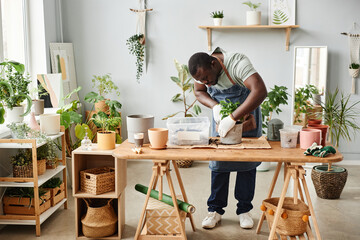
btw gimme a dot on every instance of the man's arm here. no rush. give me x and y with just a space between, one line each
202 96
257 95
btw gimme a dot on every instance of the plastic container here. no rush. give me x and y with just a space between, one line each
188 130
288 137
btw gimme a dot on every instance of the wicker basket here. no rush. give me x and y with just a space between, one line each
27 171
98 180
328 185
184 163
291 222
98 221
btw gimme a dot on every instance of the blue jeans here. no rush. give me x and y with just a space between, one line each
244 191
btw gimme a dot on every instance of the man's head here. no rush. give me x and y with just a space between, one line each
203 68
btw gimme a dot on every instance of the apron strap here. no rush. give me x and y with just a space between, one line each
225 70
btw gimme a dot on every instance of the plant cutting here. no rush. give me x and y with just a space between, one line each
14 90
253 17
302 105
185 83
106 137
234 136
217 17
136 46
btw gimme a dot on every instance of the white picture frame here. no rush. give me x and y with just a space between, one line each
282 12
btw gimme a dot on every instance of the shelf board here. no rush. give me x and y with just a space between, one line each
49 173
45 215
81 194
26 143
287 29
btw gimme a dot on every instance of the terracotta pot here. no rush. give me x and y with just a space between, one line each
101 106
309 136
313 121
234 136
323 128
38 106
106 140
158 137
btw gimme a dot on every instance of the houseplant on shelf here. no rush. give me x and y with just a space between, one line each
184 82
48 152
354 69
340 115
234 136
217 17
37 102
253 17
136 46
22 164
14 90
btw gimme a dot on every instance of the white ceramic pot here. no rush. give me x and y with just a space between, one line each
253 18
50 124
13 115
217 21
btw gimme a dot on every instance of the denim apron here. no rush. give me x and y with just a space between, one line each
235 93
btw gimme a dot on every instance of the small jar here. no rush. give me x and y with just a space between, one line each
86 143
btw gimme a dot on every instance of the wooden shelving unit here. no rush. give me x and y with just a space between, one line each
34 182
287 29
82 160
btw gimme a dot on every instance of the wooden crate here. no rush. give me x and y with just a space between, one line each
24 206
57 194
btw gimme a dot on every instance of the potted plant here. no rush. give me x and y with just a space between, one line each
354 73
48 153
37 102
106 138
340 115
14 90
19 130
253 17
56 187
234 136
23 166
136 46
217 17
104 86
302 105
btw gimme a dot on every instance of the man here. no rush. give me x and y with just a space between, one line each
219 76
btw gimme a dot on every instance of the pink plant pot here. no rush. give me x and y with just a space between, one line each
158 137
323 128
309 136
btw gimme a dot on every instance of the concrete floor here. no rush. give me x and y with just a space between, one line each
338 219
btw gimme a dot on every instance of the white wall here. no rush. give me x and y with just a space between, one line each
99 29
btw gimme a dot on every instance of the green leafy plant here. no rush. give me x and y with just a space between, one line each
22 158
184 82
341 116
104 86
302 101
13 87
26 192
19 130
52 183
105 122
38 91
252 6
228 107
48 152
277 96
354 66
217 14
136 46
280 17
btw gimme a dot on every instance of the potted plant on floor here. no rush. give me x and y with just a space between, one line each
234 136
217 17
14 90
253 17
136 46
340 115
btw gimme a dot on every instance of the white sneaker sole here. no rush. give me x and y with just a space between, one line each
211 227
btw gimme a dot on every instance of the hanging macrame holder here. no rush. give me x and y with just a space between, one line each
354 43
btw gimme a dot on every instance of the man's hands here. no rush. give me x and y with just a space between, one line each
216 113
225 125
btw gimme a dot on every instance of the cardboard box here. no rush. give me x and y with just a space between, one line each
161 218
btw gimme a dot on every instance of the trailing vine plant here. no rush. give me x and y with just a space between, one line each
136 46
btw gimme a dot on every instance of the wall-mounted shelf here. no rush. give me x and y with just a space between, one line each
286 27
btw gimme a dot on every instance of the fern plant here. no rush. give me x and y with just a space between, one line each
136 47
279 17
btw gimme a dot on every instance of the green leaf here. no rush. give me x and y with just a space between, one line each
81 129
176 80
2 114
72 92
176 98
93 97
19 67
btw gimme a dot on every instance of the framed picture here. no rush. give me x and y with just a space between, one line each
62 61
53 85
282 12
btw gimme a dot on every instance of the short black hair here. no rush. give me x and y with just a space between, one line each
200 59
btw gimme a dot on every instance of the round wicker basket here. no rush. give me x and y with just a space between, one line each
184 163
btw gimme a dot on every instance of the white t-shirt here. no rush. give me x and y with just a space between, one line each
238 66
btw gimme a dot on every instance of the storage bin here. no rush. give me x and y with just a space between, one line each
98 180
188 130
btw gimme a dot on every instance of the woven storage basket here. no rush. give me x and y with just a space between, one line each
328 185
98 180
184 163
27 171
293 225
99 221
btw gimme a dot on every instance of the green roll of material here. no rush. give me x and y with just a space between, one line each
186 207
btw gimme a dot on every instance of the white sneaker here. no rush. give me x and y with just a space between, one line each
246 220
211 220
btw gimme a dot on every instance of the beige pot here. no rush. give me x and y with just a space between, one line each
234 136
50 124
101 106
38 106
253 18
106 140
158 137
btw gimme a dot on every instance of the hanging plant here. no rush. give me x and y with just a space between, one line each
136 46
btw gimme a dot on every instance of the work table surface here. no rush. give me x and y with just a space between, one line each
275 154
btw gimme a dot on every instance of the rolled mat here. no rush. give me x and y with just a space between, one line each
186 207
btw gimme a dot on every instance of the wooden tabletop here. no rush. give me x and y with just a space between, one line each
275 154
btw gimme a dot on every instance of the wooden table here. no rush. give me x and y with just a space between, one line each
293 159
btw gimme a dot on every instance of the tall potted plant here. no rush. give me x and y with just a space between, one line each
13 91
340 115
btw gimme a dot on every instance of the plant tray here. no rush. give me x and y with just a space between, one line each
98 180
24 206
